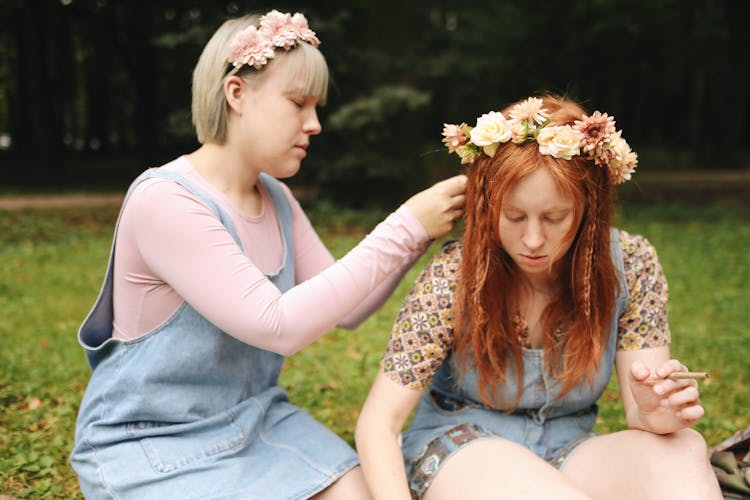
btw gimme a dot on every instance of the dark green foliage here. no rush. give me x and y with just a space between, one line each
108 79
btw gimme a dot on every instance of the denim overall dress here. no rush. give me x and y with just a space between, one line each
452 414
187 411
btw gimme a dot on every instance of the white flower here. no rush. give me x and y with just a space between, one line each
492 129
619 147
623 161
561 141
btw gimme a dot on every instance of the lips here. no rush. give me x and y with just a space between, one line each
534 260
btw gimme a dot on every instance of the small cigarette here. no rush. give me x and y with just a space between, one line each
680 376
688 375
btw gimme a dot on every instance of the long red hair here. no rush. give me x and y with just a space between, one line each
489 283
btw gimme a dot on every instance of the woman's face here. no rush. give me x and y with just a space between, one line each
535 221
276 124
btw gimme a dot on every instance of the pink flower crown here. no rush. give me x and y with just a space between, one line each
594 137
254 46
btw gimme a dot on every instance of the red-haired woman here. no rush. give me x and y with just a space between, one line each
509 337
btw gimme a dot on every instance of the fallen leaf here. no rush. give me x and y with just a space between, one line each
353 353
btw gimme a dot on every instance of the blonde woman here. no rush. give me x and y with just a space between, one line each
216 274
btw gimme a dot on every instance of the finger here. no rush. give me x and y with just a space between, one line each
453 186
686 397
691 413
668 386
639 371
458 201
673 365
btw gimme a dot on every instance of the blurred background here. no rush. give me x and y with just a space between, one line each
94 91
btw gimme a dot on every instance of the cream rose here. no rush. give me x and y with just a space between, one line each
561 142
491 129
619 147
623 161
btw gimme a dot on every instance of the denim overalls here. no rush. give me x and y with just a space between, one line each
451 414
187 411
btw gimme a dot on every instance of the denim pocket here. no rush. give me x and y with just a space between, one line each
446 404
169 447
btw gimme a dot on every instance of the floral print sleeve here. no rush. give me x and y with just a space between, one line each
422 334
644 323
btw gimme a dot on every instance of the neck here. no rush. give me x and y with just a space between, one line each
230 174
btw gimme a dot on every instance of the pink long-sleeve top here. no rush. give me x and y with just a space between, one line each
171 248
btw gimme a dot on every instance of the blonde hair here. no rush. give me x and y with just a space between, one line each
209 107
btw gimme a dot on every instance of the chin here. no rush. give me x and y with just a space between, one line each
284 173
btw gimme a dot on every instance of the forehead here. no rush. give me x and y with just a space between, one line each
536 191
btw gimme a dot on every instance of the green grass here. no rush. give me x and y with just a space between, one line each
51 265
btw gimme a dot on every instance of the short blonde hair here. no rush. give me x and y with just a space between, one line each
209 107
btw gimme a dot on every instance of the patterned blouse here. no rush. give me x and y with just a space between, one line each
422 335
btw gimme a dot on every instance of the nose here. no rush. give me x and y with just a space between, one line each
533 235
312 125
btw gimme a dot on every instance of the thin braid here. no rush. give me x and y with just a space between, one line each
589 257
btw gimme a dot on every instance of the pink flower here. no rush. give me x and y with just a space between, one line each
250 47
467 154
254 46
453 136
277 28
596 130
299 25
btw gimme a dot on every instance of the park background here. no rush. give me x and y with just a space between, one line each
94 91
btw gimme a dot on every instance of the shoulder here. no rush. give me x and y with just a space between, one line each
447 261
441 271
636 251
156 199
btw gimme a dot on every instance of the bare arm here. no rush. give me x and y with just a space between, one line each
662 406
387 407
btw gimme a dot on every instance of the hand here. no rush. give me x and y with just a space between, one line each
665 405
439 206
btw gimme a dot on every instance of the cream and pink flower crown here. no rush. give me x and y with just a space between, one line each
594 137
254 46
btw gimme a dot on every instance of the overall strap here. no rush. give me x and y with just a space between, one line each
284 215
96 329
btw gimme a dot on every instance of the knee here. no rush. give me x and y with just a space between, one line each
686 445
691 441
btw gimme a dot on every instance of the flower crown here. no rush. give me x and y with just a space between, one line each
594 137
254 46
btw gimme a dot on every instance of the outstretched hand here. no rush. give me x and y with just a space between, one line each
439 206
665 405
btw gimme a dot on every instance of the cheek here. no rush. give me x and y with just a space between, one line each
563 240
505 234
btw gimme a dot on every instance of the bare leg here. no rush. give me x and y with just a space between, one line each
350 486
498 469
636 464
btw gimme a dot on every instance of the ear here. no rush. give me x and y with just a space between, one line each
234 90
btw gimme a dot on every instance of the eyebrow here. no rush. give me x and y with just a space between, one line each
555 209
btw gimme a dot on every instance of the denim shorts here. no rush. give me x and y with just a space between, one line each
424 468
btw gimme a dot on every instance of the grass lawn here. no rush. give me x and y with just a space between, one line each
52 262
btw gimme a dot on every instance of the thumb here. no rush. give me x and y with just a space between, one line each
639 371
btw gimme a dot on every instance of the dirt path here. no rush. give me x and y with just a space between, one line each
59 201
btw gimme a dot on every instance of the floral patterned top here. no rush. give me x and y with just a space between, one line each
422 335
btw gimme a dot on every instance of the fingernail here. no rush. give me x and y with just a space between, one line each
659 389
